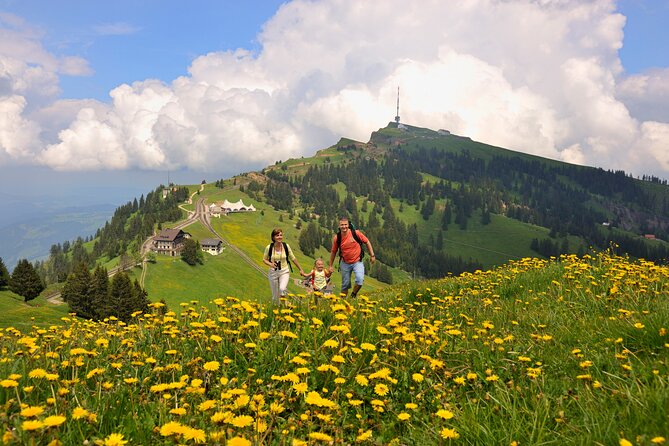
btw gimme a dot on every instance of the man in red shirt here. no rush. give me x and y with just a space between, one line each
350 256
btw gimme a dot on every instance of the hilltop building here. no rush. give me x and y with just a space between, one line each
169 242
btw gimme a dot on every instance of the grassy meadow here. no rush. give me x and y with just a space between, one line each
568 351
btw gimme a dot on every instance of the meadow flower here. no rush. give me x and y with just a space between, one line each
79 413
363 436
238 441
381 389
445 414
7 383
32 425
319 436
37 373
417 377
403 416
54 420
242 421
178 411
449 434
361 380
114 440
32 411
211 366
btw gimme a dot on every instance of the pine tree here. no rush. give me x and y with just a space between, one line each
99 293
4 274
25 281
191 252
77 292
121 297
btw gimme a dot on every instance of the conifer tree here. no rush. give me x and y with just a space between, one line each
4 274
25 281
99 293
77 292
121 297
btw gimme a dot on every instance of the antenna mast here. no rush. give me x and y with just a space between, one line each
397 116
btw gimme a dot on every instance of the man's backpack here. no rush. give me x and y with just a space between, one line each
354 233
285 249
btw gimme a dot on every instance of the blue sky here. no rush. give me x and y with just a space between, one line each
214 88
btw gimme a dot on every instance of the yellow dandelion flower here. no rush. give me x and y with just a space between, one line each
459 380
238 441
319 436
300 387
363 437
449 434
211 366
445 414
624 442
7 383
368 346
32 425
417 377
381 389
114 440
171 428
242 421
361 380
79 413
131 380
411 406
178 411
492 378
37 373
54 420
206 405
403 416
32 411
658 440
331 343
197 435
297 442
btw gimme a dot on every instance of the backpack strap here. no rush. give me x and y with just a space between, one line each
285 249
354 233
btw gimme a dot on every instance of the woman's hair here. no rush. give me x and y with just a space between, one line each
276 231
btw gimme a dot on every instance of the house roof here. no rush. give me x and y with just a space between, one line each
210 242
168 235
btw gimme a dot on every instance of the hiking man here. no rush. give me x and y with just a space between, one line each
348 242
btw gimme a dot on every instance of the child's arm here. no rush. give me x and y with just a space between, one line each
307 274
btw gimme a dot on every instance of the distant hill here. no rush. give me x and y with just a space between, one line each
432 203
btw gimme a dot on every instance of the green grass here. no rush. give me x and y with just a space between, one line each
23 315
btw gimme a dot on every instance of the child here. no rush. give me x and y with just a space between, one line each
319 277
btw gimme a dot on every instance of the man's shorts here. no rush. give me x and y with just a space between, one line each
346 268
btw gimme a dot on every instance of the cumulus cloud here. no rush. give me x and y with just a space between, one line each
542 77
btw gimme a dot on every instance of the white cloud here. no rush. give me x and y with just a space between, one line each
542 77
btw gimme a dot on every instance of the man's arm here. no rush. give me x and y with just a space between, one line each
370 250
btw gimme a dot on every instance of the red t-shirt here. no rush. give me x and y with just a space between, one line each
350 249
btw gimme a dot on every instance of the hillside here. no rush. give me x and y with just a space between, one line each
538 352
433 204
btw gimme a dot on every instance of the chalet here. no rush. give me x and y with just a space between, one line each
238 206
169 242
213 246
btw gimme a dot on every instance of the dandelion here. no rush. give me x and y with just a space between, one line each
403 416
624 442
79 413
54 420
7 383
238 441
445 414
417 377
211 366
32 411
658 440
242 421
32 425
178 411
363 437
381 389
449 434
37 373
114 440
318 436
